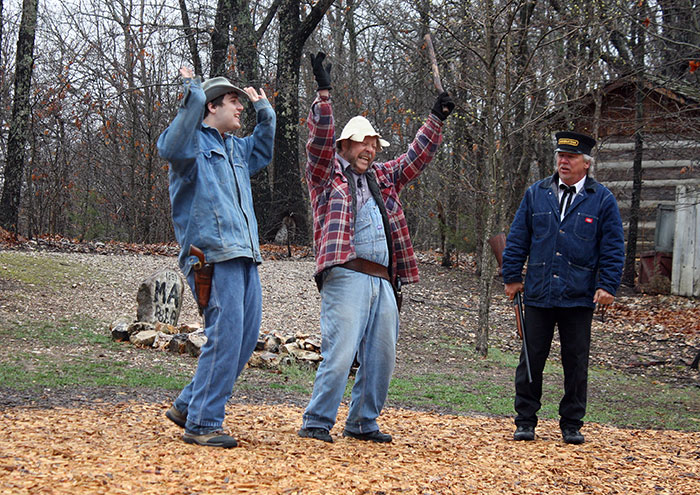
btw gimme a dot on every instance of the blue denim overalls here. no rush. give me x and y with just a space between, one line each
358 317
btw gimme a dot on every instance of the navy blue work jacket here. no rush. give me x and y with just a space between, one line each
567 260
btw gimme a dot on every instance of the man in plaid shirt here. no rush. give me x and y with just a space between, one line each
363 253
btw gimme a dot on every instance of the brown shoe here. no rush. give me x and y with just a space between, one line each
217 438
176 416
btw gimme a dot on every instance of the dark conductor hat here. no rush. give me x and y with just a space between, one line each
217 86
573 142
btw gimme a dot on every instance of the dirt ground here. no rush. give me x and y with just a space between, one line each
106 440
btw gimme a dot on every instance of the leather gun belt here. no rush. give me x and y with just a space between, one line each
368 267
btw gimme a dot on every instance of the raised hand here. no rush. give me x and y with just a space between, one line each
186 72
443 106
321 73
254 95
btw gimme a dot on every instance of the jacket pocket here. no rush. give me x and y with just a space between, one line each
536 281
339 195
585 226
219 168
541 224
580 283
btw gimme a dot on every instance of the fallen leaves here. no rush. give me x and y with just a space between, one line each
668 315
132 448
47 242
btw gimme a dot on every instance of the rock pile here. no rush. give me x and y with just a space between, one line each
159 300
183 339
272 351
275 350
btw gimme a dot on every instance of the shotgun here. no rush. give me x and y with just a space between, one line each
520 323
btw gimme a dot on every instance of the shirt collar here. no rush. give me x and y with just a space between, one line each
345 164
578 185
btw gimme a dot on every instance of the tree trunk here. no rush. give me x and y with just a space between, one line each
629 272
287 184
245 41
220 39
19 125
490 177
191 38
2 24
519 136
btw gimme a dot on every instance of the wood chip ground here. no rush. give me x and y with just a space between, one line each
130 448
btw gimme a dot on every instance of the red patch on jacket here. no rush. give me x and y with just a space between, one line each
589 220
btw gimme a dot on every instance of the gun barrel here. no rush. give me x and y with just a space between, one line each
520 321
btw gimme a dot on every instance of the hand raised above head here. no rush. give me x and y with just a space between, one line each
186 72
443 106
254 95
322 73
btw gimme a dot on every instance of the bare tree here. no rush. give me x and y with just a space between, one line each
21 112
638 53
680 31
288 188
191 35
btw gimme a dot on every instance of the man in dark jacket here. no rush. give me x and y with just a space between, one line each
569 229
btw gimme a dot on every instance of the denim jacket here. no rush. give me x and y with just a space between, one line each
212 203
568 260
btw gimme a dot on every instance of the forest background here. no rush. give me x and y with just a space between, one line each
87 86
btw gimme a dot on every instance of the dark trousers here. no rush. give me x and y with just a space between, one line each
575 336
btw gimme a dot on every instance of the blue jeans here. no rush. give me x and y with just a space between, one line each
359 318
232 321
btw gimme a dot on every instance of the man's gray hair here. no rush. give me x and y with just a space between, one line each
587 158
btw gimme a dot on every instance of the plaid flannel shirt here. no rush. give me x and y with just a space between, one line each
331 197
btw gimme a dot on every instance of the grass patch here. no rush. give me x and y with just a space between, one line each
61 332
640 402
454 393
289 387
43 271
73 353
621 400
495 359
47 371
291 378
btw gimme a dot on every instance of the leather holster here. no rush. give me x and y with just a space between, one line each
203 274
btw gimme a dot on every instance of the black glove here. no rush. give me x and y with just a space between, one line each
443 106
321 73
